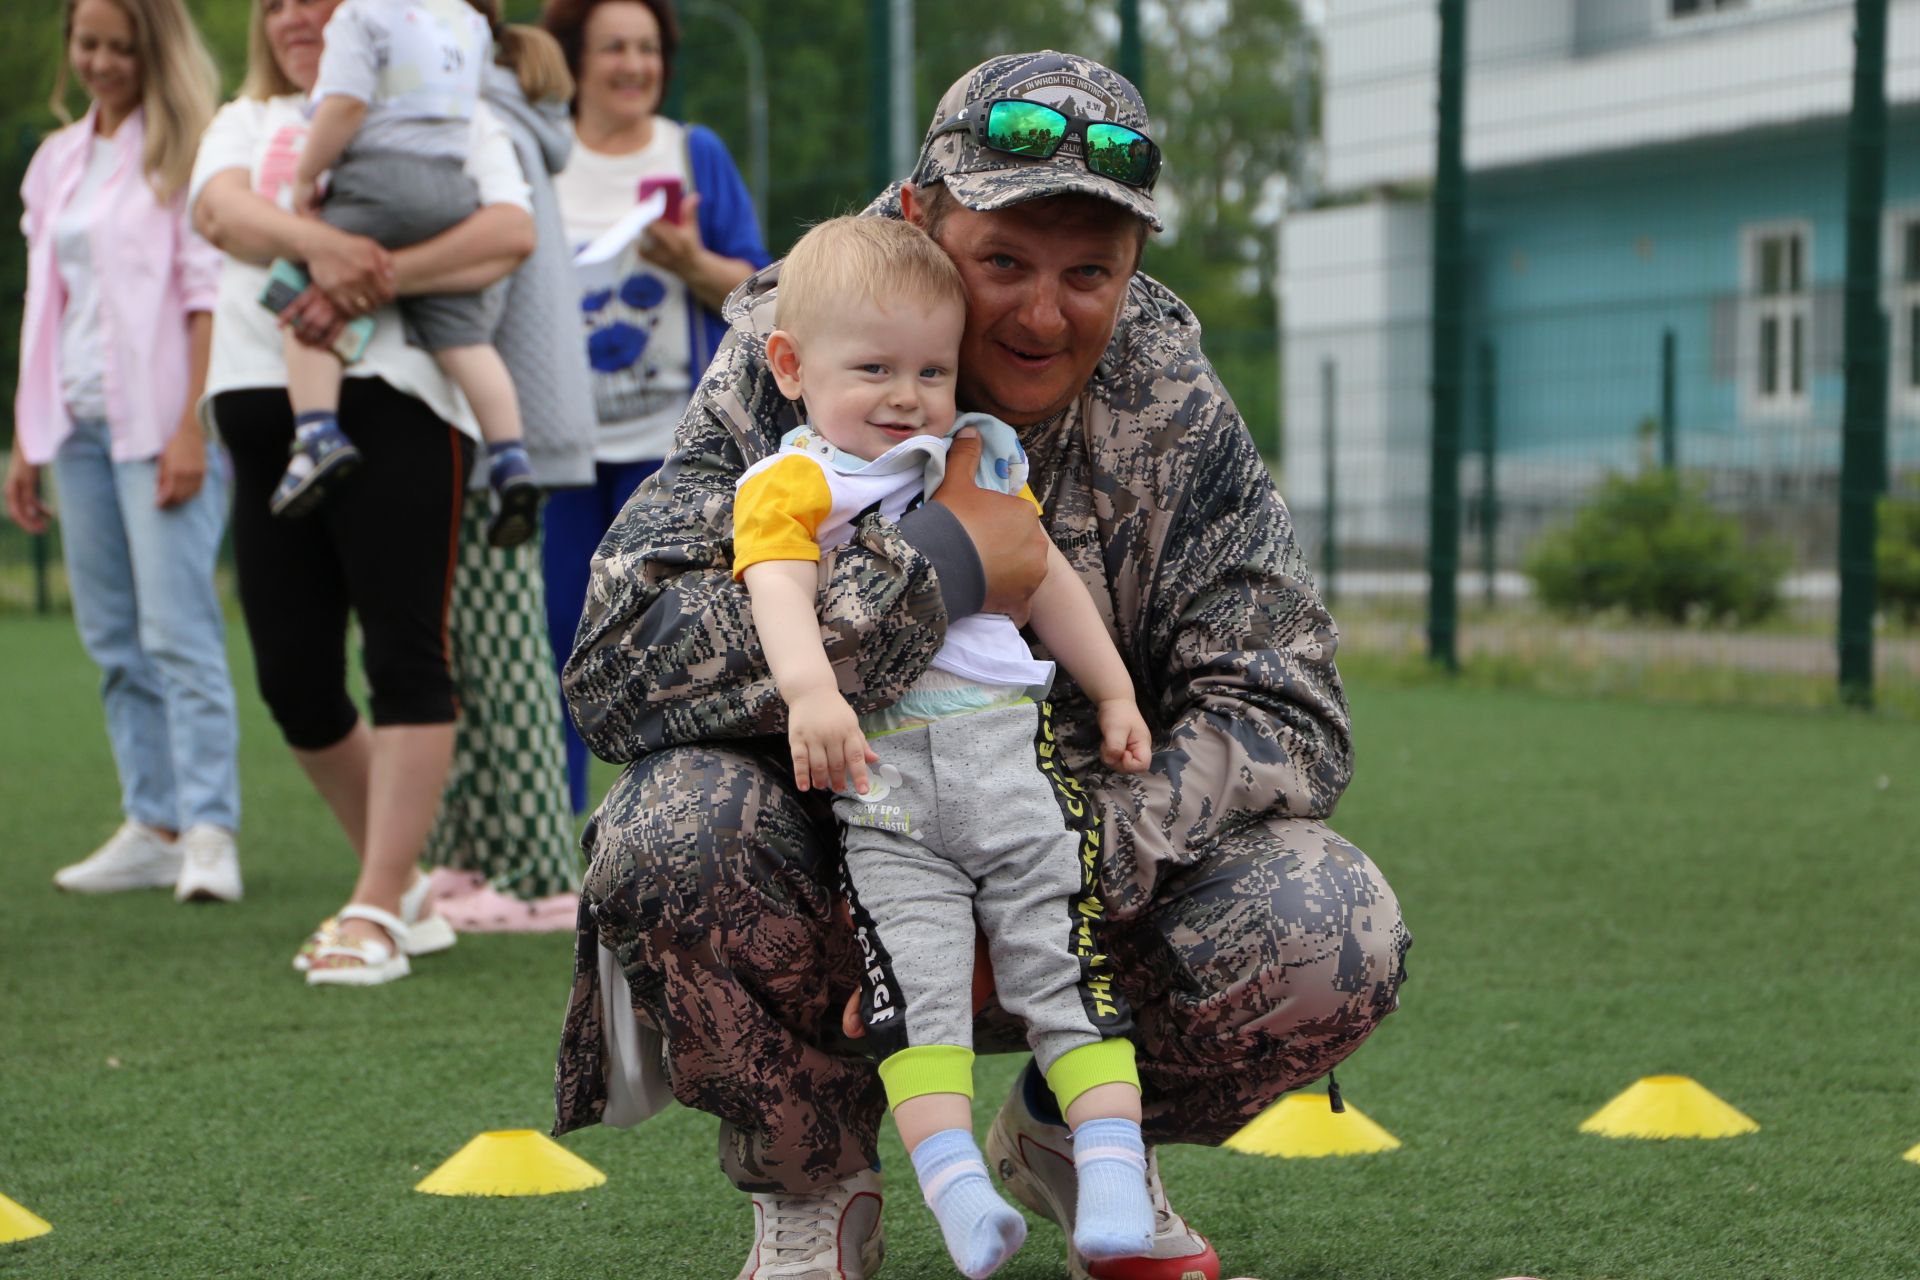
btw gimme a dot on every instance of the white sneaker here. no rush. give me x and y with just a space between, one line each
134 857
1035 1162
830 1234
209 865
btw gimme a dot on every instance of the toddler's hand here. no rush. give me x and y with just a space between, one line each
306 198
829 751
1125 743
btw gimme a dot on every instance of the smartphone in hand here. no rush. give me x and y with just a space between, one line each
285 282
675 191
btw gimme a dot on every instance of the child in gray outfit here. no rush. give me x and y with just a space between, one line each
970 810
393 112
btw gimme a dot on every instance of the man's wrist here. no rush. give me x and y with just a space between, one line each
937 534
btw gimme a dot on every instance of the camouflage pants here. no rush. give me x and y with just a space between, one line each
1251 971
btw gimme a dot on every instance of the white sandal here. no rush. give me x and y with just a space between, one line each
424 937
379 962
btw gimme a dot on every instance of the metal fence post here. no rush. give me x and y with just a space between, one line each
1329 547
1449 338
1863 434
1132 64
879 94
1489 451
1669 401
750 49
42 596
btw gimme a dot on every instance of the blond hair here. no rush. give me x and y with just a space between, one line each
179 87
264 79
536 58
850 261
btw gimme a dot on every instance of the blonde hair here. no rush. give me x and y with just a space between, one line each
264 79
845 262
531 53
179 87
536 58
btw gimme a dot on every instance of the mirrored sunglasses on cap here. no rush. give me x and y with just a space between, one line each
1036 131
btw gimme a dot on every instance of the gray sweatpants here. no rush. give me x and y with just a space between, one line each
985 821
400 200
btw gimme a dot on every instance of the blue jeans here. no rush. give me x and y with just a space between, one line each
144 600
575 521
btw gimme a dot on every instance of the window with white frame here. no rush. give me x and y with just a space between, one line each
1778 316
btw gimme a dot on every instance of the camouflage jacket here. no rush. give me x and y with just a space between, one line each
1152 489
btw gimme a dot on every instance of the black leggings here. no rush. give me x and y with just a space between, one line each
382 545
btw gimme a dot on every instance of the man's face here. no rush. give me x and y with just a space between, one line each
1044 290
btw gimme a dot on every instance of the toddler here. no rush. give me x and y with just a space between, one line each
969 810
392 114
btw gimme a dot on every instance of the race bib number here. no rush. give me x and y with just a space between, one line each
434 62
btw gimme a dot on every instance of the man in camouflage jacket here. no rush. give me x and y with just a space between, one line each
1257 947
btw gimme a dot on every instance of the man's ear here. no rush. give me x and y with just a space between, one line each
783 357
912 208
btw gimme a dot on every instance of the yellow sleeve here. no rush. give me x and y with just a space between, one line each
777 514
1026 491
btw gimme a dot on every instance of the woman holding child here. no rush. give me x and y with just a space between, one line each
113 352
650 336
380 547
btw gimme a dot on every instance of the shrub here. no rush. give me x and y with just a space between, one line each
1898 554
1650 545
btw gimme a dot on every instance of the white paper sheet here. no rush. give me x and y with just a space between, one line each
594 265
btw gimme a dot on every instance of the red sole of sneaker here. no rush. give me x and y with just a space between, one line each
1204 1265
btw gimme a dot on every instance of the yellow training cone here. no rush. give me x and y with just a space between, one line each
17 1223
511 1162
1668 1107
1913 1154
1306 1125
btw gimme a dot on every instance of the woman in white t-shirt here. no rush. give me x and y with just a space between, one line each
113 349
381 548
651 333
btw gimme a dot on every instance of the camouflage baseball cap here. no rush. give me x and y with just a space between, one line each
985 180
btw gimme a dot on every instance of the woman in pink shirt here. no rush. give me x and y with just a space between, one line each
113 354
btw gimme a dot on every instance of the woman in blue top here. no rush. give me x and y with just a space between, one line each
650 333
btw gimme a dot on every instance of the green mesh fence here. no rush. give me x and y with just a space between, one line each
1653 380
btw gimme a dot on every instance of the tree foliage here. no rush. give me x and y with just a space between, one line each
1899 557
1650 546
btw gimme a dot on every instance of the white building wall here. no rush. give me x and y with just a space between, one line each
1533 95
1355 291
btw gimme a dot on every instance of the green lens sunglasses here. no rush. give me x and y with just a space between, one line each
1035 130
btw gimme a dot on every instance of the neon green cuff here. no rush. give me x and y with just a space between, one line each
927 1068
1078 1070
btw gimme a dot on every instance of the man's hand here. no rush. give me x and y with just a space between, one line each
183 464
855 1026
24 507
1005 531
1125 743
828 747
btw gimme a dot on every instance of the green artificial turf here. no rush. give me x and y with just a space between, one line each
1598 891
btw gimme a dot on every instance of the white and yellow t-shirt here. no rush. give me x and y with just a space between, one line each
809 496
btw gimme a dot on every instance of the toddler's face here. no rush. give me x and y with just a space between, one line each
876 375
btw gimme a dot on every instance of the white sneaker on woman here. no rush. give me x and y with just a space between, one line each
209 865
134 857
